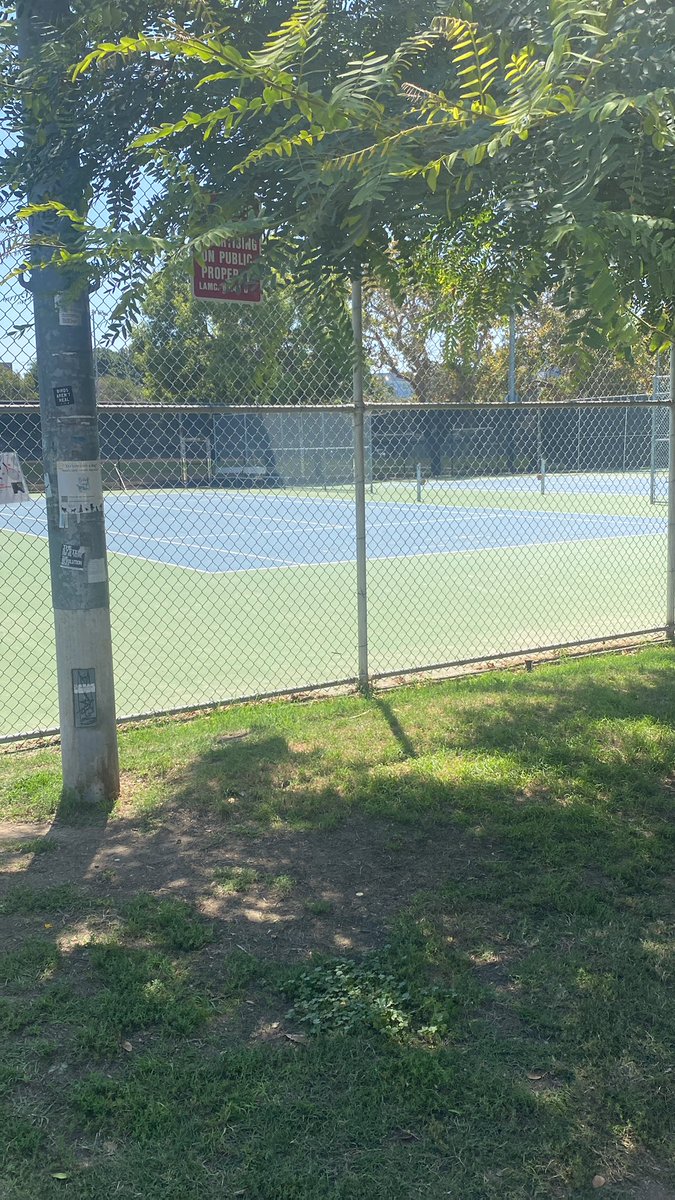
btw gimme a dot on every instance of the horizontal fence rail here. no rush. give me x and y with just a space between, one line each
492 530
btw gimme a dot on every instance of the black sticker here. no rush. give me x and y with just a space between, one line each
63 397
72 557
84 697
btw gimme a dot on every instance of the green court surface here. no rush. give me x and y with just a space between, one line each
183 637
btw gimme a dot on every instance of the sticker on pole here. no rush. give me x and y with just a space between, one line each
70 313
84 697
215 277
13 486
63 397
80 487
72 557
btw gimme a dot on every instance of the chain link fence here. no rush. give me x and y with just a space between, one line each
227 440
514 483
492 530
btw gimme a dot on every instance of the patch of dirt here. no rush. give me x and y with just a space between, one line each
654 1191
645 1183
365 872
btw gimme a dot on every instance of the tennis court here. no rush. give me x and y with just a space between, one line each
223 593
244 531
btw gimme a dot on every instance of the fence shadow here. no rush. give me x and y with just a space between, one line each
405 742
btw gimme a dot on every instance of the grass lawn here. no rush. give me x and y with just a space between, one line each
410 946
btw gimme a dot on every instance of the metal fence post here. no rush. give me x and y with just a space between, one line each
670 606
71 457
512 357
360 486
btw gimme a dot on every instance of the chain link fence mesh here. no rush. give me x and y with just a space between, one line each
228 460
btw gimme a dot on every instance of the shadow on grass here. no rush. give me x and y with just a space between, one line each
404 741
494 995
95 852
567 769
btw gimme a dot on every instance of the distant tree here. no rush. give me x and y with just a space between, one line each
111 389
434 328
277 352
17 389
117 379
117 363
550 367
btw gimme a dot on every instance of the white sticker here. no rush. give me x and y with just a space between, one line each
69 313
80 486
97 571
13 486
73 557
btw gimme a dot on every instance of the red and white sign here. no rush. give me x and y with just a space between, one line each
215 277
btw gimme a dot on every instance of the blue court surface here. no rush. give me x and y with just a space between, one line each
221 531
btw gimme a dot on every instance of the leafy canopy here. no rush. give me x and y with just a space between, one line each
552 127
557 122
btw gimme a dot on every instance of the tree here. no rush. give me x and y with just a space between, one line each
157 201
568 128
433 328
15 388
554 127
186 351
551 367
557 124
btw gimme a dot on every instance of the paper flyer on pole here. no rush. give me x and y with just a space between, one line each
79 486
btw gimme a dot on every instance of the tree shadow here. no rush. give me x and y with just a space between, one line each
597 787
90 850
499 882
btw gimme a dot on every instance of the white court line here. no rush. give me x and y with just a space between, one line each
341 562
158 562
144 537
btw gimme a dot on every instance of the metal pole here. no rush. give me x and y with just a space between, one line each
418 478
625 438
656 387
670 602
182 450
652 459
360 486
369 446
512 356
72 464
